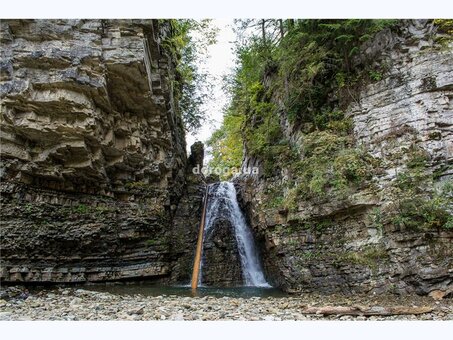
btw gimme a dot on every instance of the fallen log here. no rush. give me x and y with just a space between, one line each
366 311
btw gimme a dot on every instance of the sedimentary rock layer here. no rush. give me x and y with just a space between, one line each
93 151
87 105
337 245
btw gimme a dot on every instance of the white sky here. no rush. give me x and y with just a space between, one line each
221 61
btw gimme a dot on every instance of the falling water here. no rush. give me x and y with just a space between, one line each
223 203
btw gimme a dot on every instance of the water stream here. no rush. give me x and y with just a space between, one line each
153 289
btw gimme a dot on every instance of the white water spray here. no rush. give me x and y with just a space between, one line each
223 203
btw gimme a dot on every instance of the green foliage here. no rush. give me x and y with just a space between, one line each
137 185
422 214
444 25
449 224
226 145
315 60
408 181
265 130
370 256
28 208
445 28
188 45
418 158
82 209
294 68
330 166
377 219
275 197
375 75
152 242
248 97
322 225
311 255
415 209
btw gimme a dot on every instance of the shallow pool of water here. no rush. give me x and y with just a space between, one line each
157 290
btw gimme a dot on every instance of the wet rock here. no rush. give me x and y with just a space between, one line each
222 263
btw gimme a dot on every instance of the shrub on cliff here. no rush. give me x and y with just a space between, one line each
296 71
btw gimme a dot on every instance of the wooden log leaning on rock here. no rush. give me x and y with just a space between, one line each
366 311
197 260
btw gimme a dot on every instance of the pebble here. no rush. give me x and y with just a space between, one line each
81 304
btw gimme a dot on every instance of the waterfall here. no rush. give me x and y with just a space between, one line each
223 203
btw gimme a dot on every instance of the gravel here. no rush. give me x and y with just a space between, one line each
16 303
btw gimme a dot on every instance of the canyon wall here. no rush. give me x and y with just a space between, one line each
96 184
348 243
93 159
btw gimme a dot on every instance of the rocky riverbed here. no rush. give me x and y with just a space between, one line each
17 303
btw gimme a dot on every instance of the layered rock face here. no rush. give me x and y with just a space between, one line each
93 151
186 222
87 107
221 260
412 105
345 244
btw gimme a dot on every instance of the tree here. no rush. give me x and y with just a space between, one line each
226 144
189 42
291 69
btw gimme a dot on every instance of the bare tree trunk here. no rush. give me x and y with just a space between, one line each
282 31
368 311
263 30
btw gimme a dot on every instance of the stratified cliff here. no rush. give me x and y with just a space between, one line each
93 156
365 211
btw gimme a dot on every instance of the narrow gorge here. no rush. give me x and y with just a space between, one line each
353 147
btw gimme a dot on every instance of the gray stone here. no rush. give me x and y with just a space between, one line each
93 151
342 251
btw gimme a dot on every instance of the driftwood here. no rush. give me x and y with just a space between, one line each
367 311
